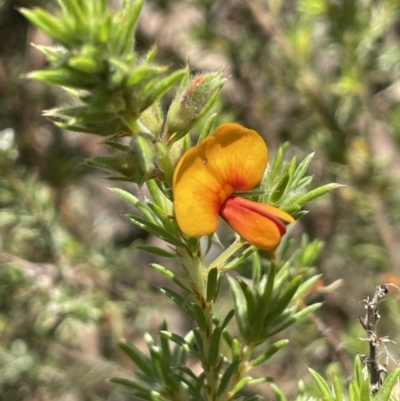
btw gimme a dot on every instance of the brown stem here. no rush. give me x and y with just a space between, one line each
369 323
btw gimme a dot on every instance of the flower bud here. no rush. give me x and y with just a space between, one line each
152 119
140 157
191 103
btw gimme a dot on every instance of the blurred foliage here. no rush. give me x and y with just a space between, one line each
321 74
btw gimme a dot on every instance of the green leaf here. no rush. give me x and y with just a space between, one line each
317 192
169 275
142 362
256 268
50 25
250 300
178 300
227 319
276 165
67 77
133 200
243 382
278 393
207 126
164 85
129 383
305 286
285 299
301 170
155 250
280 188
294 319
236 349
212 284
198 342
269 352
180 341
387 386
337 387
229 372
154 229
199 317
322 385
213 351
239 259
240 307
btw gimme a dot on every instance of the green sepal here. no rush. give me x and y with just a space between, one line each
154 229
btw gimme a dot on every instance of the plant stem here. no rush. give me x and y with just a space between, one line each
221 259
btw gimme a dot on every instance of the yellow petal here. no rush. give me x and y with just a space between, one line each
236 156
197 196
257 223
233 158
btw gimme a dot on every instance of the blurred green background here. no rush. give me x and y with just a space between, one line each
321 74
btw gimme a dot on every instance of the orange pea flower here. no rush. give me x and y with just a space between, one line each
232 159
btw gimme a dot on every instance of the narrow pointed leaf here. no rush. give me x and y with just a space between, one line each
322 386
212 282
269 352
178 300
156 251
154 229
230 370
137 357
